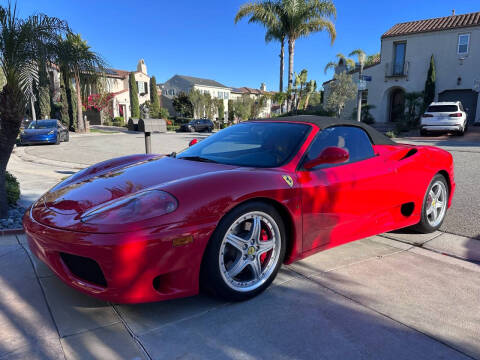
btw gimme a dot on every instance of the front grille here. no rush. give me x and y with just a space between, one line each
84 268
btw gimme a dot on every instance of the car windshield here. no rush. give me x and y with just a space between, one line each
250 144
43 124
442 108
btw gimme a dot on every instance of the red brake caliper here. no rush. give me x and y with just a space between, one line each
263 237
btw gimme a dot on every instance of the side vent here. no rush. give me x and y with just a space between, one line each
407 209
409 153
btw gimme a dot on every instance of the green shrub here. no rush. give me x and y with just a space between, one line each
13 188
118 121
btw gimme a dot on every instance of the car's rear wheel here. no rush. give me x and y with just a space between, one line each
67 137
245 252
434 206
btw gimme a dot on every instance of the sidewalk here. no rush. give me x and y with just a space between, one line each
374 299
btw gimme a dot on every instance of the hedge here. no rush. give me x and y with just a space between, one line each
13 189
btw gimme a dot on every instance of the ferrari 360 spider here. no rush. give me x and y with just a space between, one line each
226 213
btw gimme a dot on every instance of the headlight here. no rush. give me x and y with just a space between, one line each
51 132
132 208
22 133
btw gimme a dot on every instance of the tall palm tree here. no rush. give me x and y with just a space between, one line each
78 61
23 42
301 18
264 13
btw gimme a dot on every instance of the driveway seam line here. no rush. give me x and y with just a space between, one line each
130 332
388 316
44 296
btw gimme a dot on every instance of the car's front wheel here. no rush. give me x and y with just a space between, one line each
245 252
434 206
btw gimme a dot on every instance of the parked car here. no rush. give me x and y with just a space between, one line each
444 117
227 212
50 131
198 125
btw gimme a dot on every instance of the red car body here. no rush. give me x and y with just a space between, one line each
160 258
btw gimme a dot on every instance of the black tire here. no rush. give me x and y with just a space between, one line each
57 142
67 137
424 225
211 279
423 132
191 129
209 130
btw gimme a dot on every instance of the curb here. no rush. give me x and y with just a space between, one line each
11 232
455 246
22 155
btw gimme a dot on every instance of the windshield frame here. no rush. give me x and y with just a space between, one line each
34 122
287 160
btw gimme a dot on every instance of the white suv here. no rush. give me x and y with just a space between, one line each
445 117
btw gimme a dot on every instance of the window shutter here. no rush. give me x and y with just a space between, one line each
138 88
146 88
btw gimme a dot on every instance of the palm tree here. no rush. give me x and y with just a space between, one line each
78 61
301 18
360 54
264 13
349 63
23 42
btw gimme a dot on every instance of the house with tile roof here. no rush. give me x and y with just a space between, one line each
406 49
237 93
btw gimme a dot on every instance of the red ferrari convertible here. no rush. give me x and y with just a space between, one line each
227 212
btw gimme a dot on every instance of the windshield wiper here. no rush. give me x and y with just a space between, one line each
197 158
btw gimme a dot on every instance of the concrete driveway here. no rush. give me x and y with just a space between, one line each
377 298
371 299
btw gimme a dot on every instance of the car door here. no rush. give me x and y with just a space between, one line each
342 202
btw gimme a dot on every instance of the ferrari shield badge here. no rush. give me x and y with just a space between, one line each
288 179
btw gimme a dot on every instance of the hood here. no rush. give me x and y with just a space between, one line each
74 196
37 131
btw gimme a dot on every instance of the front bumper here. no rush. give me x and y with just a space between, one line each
39 139
140 266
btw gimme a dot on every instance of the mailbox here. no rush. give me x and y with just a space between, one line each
152 125
148 126
132 124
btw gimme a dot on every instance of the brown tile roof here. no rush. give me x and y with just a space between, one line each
437 24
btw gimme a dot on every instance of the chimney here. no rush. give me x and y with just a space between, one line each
263 87
453 12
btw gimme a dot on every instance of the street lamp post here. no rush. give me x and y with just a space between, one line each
359 96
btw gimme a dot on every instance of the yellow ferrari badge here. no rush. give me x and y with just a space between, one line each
288 179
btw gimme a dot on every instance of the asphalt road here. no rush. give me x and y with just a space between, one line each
462 218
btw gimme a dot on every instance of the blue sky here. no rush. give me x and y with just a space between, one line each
199 38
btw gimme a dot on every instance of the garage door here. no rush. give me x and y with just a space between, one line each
467 97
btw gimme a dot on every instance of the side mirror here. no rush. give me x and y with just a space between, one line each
193 142
330 155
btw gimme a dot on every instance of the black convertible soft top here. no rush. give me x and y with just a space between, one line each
324 122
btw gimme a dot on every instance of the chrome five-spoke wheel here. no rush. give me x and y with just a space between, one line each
249 251
436 203
245 252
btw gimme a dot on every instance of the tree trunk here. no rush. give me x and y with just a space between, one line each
80 123
282 63
291 53
12 107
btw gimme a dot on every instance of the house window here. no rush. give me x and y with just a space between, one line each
463 42
399 63
225 95
220 95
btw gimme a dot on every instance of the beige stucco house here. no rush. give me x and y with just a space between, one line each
406 49
237 93
184 84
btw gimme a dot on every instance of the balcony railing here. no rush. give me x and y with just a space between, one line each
396 70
